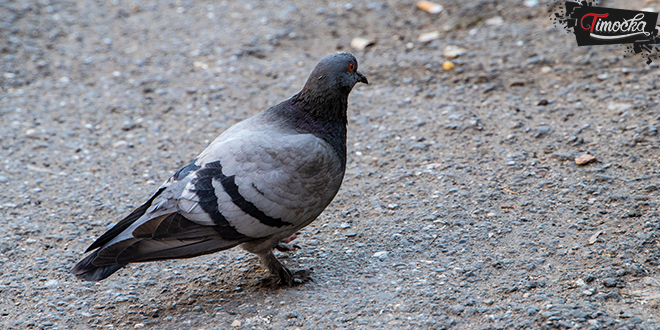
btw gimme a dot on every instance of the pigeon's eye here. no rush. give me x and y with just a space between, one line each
351 67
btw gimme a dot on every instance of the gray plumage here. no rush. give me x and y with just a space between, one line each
257 183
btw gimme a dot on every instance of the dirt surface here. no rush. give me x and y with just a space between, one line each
462 206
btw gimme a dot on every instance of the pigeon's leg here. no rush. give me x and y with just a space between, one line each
275 267
284 245
286 277
264 249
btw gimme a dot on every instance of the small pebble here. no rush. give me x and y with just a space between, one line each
610 282
382 255
495 21
361 43
452 51
428 36
430 7
51 284
584 159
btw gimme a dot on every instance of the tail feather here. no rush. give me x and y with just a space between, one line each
143 250
86 270
166 237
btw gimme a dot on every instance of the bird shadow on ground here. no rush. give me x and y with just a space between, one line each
247 291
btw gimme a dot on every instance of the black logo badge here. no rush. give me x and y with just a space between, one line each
607 26
610 26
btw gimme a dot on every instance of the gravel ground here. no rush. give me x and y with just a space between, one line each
461 208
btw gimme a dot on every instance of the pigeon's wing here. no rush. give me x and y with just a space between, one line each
266 186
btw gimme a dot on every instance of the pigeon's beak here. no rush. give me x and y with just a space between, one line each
362 79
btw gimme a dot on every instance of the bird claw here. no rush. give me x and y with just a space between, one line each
290 279
302 276
283 247
295 278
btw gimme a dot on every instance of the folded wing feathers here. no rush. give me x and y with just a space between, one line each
173 226
154 250
165 237
124 224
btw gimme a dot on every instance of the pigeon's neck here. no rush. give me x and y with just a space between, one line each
325 118
324 107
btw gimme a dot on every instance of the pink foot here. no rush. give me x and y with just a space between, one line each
284 245
291 238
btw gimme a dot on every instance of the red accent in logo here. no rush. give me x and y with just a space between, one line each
593 23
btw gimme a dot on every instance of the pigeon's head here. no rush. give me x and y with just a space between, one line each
335 73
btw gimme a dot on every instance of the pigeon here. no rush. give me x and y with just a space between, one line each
255 185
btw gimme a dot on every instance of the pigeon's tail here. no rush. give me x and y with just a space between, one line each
105 261
85 270
170 236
